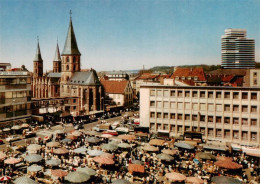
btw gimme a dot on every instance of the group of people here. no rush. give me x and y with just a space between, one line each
184 162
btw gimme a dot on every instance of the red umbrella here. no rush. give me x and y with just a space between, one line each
12 161
135 168
5 178
194 180
221 158
59 173
107 155
104 160
2 155
175 177
228 164
127 137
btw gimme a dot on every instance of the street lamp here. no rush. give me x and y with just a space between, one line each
13 111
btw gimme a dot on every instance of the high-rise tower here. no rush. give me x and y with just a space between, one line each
57 61
38 63
238 52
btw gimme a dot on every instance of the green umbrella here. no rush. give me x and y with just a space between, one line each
34 168
77 177
23 180
87 170
109 147
124 145
80 150
95 152
93 140
164 156
33 158
205 156
53 162
225 180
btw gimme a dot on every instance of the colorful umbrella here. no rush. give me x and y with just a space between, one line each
87 170
164 156
59 173
127 137
72 137
221 158
170 152
76 133
33 158
34 147
227 164
23 180
5 178
104 160
61 151
108 155
109 147
225 180
53 162
95 152
175 177
205 156
34 168
150 148
12 161
157 142
124 145
194 180
183 145
53 144
2 155
106 136
93 140
77 177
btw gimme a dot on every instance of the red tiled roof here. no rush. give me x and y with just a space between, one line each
146 76
114 87
190 72
227 78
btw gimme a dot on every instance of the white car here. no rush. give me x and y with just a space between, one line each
13 138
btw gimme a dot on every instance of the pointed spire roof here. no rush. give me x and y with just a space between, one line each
57 54
71 47
38 56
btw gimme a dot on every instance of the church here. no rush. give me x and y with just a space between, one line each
79 90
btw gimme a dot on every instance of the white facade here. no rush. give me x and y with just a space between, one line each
220 113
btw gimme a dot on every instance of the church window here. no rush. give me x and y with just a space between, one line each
68 60
74 59
67 67
74 68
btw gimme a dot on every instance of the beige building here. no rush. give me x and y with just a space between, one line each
220 113
15 97
252 78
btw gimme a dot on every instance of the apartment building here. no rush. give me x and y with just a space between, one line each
15 97
220 113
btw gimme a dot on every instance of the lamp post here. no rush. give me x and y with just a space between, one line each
13 111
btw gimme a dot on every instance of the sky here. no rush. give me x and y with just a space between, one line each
124 34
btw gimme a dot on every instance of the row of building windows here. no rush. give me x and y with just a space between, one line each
204 94
204 106
203 118
210 131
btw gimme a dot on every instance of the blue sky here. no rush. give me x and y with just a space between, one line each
124 34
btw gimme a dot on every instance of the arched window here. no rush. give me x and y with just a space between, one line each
68 59
67 67
74 59
74 67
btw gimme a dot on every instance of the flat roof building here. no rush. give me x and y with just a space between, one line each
220 113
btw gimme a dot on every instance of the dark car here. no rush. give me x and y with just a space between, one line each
1 141
30 134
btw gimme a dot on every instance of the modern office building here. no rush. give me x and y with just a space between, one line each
15 97
220 113
237 50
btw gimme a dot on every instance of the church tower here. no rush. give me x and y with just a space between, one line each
70 56
57 61
38 63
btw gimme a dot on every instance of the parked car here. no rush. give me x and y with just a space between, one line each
111 132
13 138
1 141
79 126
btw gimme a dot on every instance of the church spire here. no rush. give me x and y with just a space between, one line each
57 54
71 47
38 56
